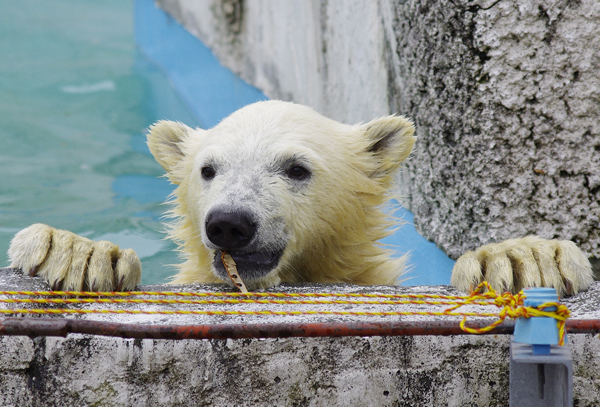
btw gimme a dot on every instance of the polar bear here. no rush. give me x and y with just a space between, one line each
291 196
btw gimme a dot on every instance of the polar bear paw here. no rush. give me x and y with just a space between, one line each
73 263
528 262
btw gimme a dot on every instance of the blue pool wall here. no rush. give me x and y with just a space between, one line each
212 92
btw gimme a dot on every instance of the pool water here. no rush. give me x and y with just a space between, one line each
76 96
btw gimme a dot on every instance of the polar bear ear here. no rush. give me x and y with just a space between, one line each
165 140
391 140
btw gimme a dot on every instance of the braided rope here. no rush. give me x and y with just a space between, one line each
224 294
511 305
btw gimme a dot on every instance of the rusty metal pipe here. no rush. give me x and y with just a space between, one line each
33 327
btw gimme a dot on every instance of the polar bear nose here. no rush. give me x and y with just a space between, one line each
230 230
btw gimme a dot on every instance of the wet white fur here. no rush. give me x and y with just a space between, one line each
329 225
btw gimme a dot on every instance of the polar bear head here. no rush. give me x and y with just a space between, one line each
290 194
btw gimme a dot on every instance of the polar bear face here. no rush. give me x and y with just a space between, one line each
285 191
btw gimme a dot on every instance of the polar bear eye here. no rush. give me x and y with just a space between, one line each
297 172
208 173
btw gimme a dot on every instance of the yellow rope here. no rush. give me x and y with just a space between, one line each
266 312
511 305
223 294
242 301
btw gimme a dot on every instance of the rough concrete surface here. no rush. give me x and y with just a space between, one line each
505 95
465 370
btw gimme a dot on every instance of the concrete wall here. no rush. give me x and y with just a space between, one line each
463 370
505 95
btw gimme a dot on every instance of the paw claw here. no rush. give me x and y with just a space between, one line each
120 284
71 262
56 286
522 263
568 287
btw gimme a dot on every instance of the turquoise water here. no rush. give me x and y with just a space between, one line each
76 96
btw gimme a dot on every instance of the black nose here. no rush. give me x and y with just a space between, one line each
230 230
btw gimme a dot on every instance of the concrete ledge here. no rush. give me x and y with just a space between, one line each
349 371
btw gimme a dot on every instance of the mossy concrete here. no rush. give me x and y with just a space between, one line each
463 370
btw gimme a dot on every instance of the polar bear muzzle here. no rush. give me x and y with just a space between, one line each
233 232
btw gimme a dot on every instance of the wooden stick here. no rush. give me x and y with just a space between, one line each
231 269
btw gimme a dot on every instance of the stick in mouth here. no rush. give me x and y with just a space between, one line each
232 272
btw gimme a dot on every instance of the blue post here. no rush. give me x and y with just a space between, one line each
541 371
541 332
